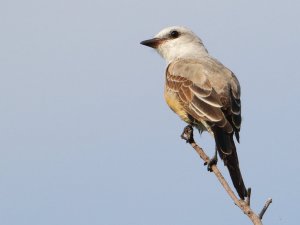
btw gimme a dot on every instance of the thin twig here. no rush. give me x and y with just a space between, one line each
268 202
248 196
243 205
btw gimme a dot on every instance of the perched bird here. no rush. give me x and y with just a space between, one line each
203 92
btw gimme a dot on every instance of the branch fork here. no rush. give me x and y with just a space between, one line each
188 136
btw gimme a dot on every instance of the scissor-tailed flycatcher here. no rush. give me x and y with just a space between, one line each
203 92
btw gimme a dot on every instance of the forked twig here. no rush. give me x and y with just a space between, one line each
248 196
268 202
243 205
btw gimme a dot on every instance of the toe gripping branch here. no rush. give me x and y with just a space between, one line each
188 134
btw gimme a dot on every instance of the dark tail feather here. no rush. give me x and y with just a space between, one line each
227 151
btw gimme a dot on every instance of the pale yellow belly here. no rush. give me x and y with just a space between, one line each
174 103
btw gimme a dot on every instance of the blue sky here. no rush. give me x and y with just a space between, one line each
85 134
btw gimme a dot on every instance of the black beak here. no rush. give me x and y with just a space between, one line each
153 43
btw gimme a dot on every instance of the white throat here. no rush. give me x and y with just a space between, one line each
172 51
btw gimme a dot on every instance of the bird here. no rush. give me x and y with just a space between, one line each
203 93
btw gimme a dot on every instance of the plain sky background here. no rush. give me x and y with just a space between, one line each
85 134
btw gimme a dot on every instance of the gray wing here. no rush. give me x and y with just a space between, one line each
198 96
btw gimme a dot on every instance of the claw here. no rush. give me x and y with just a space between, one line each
187 134
211 162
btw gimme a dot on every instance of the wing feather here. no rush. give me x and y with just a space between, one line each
235 117
200 101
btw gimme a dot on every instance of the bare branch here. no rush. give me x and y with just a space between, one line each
243 205
268 202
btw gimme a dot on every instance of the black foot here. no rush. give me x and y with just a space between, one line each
187 134
211 162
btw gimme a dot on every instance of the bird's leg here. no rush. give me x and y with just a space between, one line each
187 134
212 161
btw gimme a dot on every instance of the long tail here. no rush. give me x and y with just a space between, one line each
227 151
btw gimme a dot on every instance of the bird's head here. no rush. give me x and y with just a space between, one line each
177 42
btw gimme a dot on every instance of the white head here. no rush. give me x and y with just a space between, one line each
177 42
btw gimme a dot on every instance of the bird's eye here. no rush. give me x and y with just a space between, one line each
174 34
